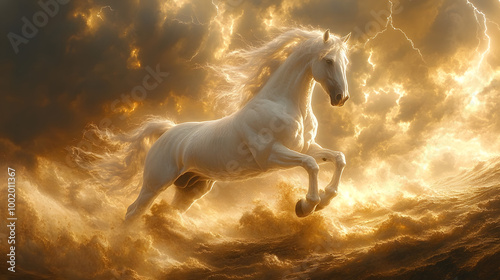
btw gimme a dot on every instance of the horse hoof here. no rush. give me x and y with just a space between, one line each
334 194
319 207
298 209
325 199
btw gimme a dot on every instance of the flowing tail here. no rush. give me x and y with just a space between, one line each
117 159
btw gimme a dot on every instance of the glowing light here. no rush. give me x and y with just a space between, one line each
478 74
128 109
102 8
367 95
91 17
390 24
226 28
474 103
182 103
357 131
370 59
404 126
486 35
399 90
178 107
348 197
494 23
87 17
269 20
133 61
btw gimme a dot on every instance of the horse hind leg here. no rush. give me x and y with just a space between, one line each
141 204
148 194
185 196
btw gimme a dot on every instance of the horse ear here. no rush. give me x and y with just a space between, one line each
326 36
346 37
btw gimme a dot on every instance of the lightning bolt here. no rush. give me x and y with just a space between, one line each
477 14
496 24
370 59
223 25
478 76
214 20
194 19
102 8
390 24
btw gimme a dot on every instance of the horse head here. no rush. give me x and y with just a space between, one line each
329 69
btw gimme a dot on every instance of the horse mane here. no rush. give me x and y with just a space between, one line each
246 71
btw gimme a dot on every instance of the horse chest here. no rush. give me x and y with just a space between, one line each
300 133
264 122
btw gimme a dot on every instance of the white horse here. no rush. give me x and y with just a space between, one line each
275 129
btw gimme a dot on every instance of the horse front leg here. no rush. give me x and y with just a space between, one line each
325 155
284 157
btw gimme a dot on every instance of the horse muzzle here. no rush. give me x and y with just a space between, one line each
337 95
338 99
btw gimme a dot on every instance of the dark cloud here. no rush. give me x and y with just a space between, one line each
77 64
451 31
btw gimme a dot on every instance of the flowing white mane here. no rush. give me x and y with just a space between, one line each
246 71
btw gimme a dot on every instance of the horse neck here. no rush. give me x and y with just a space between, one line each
292 80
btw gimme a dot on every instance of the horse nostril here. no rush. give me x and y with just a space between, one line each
338 97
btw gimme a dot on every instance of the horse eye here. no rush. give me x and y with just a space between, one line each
329 61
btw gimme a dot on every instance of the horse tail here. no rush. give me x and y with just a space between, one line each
117 159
